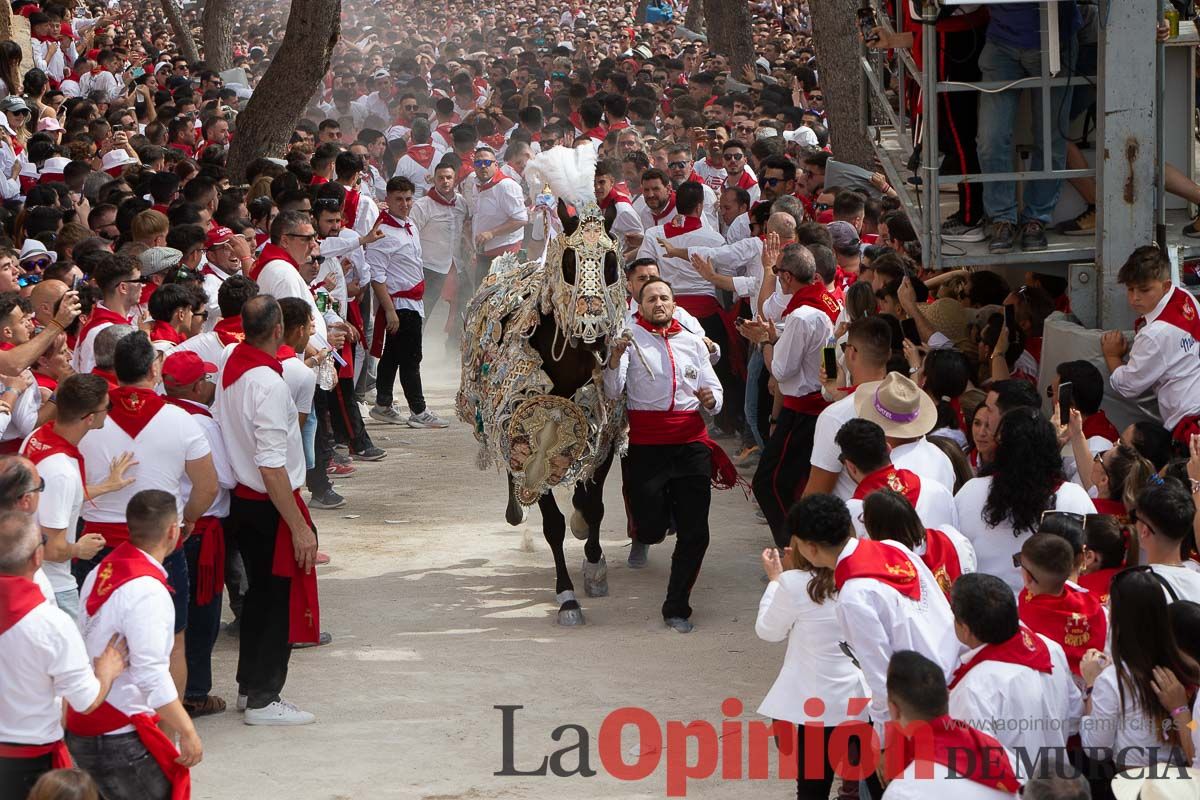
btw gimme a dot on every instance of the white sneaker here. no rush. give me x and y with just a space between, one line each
426 419
281 712
241 702
387 414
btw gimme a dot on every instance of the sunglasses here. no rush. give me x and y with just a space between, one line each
483 162
677 164
41 487
816 97
733 156
772 182
409 108
822 206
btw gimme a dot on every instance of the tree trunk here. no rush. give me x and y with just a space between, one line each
694 21
183 34
218 34
835 37
296 71
728 24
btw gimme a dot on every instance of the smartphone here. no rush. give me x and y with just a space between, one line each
1066 399
138 72
829 357
1010 318
909 327
867 23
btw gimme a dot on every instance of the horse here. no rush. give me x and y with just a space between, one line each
562 314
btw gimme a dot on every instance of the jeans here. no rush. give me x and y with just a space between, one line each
68 601
402 355
309 436
120 765
997 115
204 622
754 372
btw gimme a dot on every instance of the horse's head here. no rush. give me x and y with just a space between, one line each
583 287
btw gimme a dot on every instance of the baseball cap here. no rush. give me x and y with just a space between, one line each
158 259
184 367
14 104
217 235
844 236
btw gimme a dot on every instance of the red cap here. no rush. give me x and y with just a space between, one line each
217 235
184 367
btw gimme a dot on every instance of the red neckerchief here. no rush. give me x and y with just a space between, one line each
436 196
898 480
94 71
882 562
618 194
229 330
18 596
942 559
46 442
422 154
164 332
186 149
284 353
271 252
1098 424
1075 619
1033 346
1098 582
100 316
45 381
814 295
1024 649
317 180
667 211
387 219
47 38
148 290
1180 311
575 119
133 407
666 332
118 568
598 133
195 409
694 177
844 280
244 358
744 181
492 181
495 141
968 752
350 207
672 229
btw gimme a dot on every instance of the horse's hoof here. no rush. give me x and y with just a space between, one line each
595 578
570 617
515 513
579 525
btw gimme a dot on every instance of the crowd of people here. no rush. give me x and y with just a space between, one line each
184 350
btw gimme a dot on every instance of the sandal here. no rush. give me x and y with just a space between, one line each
211 704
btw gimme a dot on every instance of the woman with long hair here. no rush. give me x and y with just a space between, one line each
945 375
10 68
947 553
1000 509
981 444
799 605
1123 713
1173 695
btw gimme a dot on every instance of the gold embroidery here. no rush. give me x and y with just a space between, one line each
102 581
1079 631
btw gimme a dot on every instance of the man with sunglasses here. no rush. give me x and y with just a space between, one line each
679 168
287 264
498 214
738 173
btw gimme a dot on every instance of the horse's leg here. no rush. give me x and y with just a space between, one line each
554 526
515 513
589 504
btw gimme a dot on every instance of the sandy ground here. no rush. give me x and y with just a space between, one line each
440 611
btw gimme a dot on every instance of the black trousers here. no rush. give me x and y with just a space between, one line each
434 281
345 418
958 116
317 479
732 417
18 775
813 787
263 646
402 354
668 483
783 469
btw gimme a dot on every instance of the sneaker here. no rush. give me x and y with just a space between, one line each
322 640
336 470
1003 234
327 501
339 449
281 712
427 419
341 458
386 414
1192 229
241 702
1083 225
1033 236
957 229
679 624
638 552
748 456
370 454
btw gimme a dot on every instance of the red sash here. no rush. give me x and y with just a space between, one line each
244 358
1114 507
46 442
377 339
114 533
814 295
109 718
898 480
1098 425
100 316
164 332
1098 582
1024 649
304 612
970 753
618 194
1075 619
422 154
229 330
133 408
124 564
18 596
350 208
270 252
882 562
942 559
810 404
60 756
681 427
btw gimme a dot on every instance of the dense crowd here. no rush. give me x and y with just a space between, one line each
184 350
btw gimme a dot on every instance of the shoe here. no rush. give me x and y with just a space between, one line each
241 702
322 559
341 458
336 470
748 456
427 419
1033 236
1003 234
1083 225
322 640
209 704
340 448
281 712
386 414
957 229
679 624
1192 229
370 454
638 552
327 501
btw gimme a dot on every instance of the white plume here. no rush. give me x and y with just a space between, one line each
570 172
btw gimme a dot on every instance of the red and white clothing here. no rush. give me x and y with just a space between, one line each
62 501
209 346
649 218
300 379
203 417
925 459
55 66
933 502
1165 358
627 220
825 451
1075 618
907 612
396 261
666 372
712 175
678 272
1124 728
982 768
359 211
498 202
417 165
278 276
213 277
795 359
739 229
745 181
440 222
83 359
741 260
101 80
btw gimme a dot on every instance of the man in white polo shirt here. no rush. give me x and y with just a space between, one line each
119 280
498 216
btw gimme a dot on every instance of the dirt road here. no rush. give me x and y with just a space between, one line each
440 611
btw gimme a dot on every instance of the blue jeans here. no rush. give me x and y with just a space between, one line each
997 114
204 622
754 370
309 435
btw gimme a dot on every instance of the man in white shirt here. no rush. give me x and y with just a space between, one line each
287 264
626 226
120 284
22 395
1163 522
738 174
262 438
679 167
226 254
398 281
498 216
906 414
656 204
42 662
104 77
672 461
120 743
441 217
418 161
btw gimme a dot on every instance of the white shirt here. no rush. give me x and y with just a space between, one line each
396 262
739 229
626 222
141 611
825 450
259 425
1126 729
877 621
301 381
680 273
796 356
83 360
713 177
645 373
814 665
926 459
55 67
1166 360
441 229
105 82
59 509
162 449
1184 581
42 659
501 203
994 695
206 345
371 105
741 259
908 786
421 176
220 459
280 279
24 414
214 277
994 547
935 507
10 187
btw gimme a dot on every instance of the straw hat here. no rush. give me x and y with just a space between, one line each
1175 783
948 318
897 405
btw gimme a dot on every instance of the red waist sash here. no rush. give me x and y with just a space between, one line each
811 404
60 757
415 293
681 427
210 563
114 533
108 718
705 305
